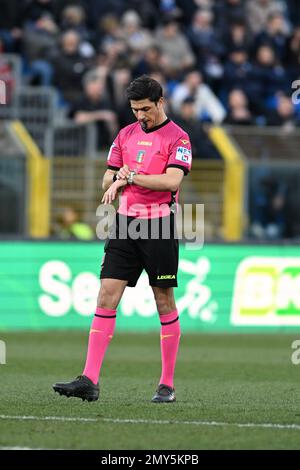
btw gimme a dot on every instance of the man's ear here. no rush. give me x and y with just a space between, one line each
160 102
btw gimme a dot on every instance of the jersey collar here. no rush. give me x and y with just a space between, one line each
147 131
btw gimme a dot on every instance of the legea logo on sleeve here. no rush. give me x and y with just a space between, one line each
267 292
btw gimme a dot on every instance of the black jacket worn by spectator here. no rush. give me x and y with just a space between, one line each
86 105
68 73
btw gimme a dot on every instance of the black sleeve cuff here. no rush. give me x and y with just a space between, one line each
110 167
184 169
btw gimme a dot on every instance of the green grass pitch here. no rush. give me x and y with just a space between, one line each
228 387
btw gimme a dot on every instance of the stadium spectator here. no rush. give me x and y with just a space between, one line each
207 105
40 41
237 36
150 62
238 109
206 43
268 208
69 67
68 226
185 9
268 76
238 72
137 39
284 114
258 11
228 12
178 55
108 31
73 17
33 10
112 50
147 11
95 107
275 35
187 118
98 9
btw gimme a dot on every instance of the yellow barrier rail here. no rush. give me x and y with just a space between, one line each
38 171
234 184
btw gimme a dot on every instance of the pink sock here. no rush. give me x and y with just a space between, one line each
101 333
169 342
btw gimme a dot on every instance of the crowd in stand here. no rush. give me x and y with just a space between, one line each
220 61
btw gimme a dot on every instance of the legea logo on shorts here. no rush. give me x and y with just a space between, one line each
166 276
267 292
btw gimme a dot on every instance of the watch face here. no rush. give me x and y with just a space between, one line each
130 178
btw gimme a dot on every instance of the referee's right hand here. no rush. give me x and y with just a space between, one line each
123 173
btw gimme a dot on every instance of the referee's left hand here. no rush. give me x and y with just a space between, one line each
111 194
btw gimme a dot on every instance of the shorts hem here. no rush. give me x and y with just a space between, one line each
130 283
163 284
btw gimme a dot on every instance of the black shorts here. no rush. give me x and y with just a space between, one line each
156 251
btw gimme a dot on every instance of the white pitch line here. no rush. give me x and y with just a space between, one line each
23 448
48 418
153 421
204 423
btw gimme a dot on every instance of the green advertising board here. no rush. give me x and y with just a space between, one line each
47 285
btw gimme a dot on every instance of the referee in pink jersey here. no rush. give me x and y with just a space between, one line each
146 165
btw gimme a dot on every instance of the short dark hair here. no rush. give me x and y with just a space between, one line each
144 87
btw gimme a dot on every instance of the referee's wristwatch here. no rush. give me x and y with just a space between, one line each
130 177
